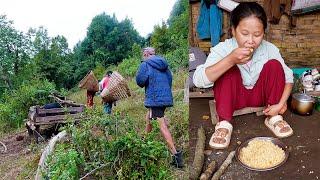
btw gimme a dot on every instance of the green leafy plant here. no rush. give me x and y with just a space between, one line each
129 67
111 145
64 163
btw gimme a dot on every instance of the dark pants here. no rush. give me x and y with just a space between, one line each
230 93
107 107
156 112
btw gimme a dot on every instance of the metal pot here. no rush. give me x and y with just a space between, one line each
302 104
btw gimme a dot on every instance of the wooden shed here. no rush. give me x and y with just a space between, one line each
299 45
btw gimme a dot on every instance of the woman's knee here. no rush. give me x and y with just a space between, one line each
273 63
232 75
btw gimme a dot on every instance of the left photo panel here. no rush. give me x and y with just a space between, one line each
94 90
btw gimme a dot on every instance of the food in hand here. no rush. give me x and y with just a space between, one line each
251 53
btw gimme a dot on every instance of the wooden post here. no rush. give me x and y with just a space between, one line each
213 112
246 110
186 91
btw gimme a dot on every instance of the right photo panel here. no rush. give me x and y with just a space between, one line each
254 89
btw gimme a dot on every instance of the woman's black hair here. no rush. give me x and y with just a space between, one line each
109 73
247 9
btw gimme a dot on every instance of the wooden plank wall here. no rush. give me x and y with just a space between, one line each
299 46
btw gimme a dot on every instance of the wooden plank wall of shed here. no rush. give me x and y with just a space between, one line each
299 46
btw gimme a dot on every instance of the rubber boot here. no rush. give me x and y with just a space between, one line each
177 160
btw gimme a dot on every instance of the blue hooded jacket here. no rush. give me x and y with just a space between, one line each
155 76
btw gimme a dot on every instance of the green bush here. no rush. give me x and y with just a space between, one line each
112 145
64 164
129 67
178 58
15 105
138 158
99 71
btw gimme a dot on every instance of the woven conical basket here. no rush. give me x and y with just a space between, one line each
89 82
116 90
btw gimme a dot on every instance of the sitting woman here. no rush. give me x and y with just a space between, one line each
246 71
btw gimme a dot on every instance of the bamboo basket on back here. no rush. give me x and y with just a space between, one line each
89 82
117 89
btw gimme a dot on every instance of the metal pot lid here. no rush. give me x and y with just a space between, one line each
303 97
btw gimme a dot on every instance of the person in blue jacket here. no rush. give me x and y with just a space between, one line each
154 75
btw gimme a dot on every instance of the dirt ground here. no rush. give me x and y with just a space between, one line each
21 155
303 145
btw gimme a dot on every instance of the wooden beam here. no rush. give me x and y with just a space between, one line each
61 110
246 110
201 94
57 121
57 118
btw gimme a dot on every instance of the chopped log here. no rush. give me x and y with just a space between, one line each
47 152
198 160
224 166
207 174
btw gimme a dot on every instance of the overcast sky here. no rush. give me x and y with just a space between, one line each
71 18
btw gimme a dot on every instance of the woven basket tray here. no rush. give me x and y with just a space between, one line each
116 90
89 82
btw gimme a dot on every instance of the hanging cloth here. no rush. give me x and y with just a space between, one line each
210 22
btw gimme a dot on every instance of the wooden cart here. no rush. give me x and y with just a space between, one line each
52 117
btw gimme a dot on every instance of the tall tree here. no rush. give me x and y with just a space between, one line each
15 50
160 38
108 42
170 39
53 58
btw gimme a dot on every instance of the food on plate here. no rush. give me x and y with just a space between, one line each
261 154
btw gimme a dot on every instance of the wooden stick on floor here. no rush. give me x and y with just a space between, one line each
224 166
5 147
211 168
198 160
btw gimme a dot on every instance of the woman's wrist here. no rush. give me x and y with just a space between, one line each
282 103
230 60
